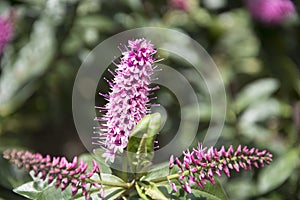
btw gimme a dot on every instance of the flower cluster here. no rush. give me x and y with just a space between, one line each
57 169
202 164
128 101
6 31
270 11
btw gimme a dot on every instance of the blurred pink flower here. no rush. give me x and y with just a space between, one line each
180 4
6 31
271 12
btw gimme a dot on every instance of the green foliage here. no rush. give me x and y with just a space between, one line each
141 142
259 65
41 190
148 191
11 176
210 192
281 170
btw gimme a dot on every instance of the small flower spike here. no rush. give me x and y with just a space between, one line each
128 101
58 170
270 12
202 164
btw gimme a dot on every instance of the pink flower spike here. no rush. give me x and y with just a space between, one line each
212 162
128 100
56 169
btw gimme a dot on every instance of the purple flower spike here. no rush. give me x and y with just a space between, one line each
57 169
270 12
128 101
202 164
6 31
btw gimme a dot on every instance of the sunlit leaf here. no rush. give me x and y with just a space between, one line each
141 141
148 191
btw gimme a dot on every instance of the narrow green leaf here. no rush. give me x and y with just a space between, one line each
28 190
111 178
213 191
157 171
141 141
141 192
273 176
111 193
254 92
10 175
40 190
210 191
148 190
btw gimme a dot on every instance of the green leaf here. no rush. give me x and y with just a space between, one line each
157 171
141 141
10 175
39 190
149 190
213 192
259 112
210 191
28 190
111 178
28 65
280 170
111 193
242 188
104 168
254 92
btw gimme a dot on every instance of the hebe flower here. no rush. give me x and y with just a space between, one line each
270 11
202 164
59 170
6 31
128 101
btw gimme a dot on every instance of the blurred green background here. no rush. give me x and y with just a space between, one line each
259 64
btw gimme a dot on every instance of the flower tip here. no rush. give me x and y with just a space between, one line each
187 188
171 164
173 185
102 194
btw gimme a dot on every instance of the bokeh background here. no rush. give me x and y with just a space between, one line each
259 63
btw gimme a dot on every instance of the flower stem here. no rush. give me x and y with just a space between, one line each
123 185
169 177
